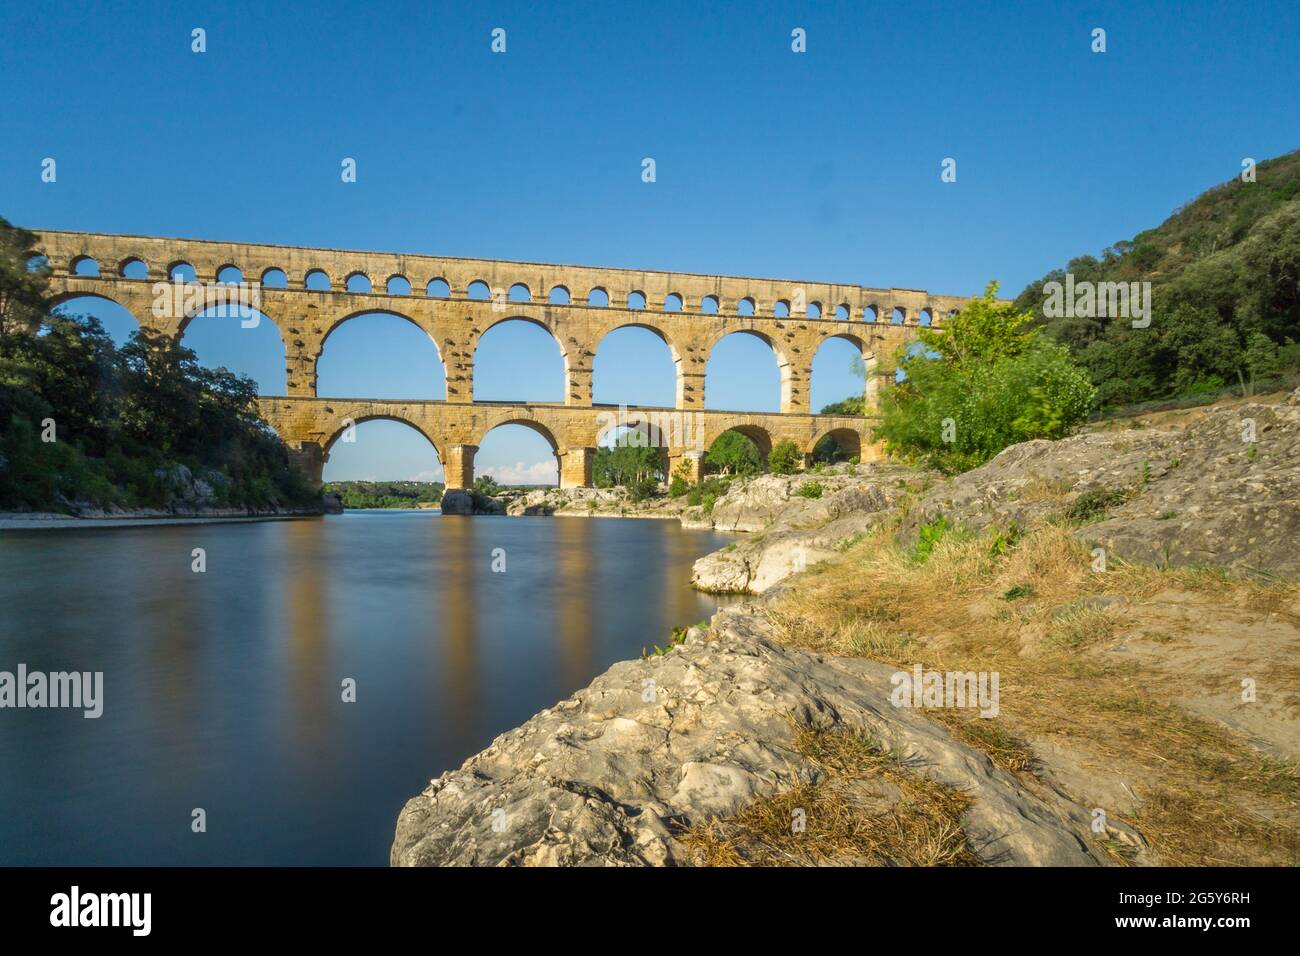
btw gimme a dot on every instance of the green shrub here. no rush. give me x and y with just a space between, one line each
785 458
810 489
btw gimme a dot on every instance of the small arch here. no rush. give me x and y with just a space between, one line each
709 305
358 282
814 310
478 289
842 312
438 288
782 309
134 268
231 275
672 302
746 306
182 271
519 293
85 266
559 295
37 261
925 318
898 316
598 297
636 300
870 313
398 285
274 278
317 280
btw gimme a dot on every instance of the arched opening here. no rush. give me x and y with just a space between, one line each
398 285
36 262
438 289
814 310
925 318
673 302
709 305
242 340
842 312
382 449
275 279
897 317
519 293
634 366
598 297
838 444
636 300
358 282
380 355
317 281
742 450
85 266
559 296
870 314
115 319
232 275
517 360
182 272
782 309
478 289
745 306
743 375
837 373
134 269
518 453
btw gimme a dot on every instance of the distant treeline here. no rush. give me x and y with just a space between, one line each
386 494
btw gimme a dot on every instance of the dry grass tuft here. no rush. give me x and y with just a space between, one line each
868 809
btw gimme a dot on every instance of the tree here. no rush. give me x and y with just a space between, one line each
785 458
998 383
24 299
734 454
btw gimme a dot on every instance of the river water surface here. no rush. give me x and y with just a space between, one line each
223 689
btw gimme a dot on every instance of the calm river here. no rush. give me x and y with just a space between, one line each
223 689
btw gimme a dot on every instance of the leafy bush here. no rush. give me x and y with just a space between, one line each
1094 502
810 489
928 536
785 458
983 383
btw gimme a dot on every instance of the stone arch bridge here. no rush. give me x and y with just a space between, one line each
456 300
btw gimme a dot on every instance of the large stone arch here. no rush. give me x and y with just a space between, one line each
849 439
573 356
790 375
312 348
605 330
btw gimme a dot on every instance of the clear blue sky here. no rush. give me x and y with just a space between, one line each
823 165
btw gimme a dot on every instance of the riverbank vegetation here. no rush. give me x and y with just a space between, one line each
385 494
84 423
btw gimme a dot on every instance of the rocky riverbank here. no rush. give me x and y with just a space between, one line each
703 754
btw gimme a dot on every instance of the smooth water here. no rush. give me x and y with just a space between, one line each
223 689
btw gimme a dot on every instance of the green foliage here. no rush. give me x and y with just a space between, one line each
681 481
785 458
733 454
995 385
1225 274
631 463
707 492
810 489
1019 591
385 494
928 536
1094 502
853 405
124 418
24 301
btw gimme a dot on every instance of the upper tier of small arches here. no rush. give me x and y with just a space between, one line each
656 292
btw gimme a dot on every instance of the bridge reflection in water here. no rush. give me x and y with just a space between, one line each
223 690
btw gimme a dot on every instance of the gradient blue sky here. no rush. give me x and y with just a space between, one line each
823 165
